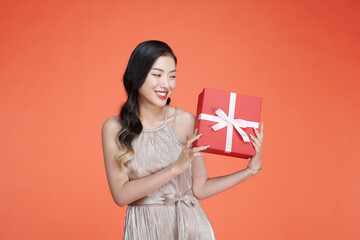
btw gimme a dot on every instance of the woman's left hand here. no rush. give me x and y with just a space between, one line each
255 162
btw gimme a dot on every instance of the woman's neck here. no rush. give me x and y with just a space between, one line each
151 114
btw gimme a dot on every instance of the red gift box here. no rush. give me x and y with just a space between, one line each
226 119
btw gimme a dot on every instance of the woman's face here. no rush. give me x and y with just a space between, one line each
159 83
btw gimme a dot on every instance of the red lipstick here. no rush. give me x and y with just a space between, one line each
162 94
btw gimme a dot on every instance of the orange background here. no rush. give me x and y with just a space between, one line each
61 68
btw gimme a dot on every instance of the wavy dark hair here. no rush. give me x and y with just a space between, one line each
139 65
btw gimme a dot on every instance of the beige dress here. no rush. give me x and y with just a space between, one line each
170 212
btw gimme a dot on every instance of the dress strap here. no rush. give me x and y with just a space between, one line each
166 113
173 123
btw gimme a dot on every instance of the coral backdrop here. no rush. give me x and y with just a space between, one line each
61 64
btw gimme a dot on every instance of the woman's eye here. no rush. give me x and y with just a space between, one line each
157 75
172 77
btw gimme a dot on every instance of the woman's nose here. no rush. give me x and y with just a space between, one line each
165 82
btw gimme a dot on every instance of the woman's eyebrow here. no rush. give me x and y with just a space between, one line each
159 69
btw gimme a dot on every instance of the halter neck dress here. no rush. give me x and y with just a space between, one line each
171 212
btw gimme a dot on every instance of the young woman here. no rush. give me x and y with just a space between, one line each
150 163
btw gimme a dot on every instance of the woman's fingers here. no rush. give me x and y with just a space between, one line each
195 133
188 142
258 135
256 140
261 134
193 139
197 149
256 146
198 154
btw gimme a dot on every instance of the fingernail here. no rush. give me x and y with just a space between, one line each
207 146
199 135
251 135
253 142
196 131
254 129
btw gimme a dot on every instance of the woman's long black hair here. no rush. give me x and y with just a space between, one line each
139 65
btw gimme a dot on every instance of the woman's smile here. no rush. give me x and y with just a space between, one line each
162 94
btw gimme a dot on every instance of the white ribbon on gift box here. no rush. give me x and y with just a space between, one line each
229 122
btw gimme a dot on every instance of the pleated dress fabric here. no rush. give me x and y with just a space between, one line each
171 212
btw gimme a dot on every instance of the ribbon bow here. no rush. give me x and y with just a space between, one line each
228 121
187 198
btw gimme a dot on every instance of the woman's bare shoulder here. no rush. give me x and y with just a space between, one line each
112 124
185 122
185 116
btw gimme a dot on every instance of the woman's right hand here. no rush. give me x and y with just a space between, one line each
188 154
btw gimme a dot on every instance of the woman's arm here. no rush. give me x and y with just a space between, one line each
203 187
122 189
